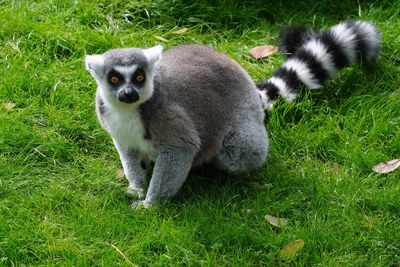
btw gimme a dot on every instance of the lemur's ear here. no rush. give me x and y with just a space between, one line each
94 63
153 54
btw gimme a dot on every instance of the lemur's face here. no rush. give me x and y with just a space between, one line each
125 75
126 83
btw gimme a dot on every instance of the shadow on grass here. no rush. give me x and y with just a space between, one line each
209 183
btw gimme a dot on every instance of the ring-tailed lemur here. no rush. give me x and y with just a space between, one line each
192 105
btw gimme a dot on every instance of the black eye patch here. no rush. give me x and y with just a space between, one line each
139 77
114 78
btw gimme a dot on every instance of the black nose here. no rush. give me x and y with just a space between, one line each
129 96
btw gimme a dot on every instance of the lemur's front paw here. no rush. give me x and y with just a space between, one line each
135 192
141 204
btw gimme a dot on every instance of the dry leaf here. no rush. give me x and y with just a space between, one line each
289 251
120 173
180 31
263 51
387 166
160 38
277 222
8 106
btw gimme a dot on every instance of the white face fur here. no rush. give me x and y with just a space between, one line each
124 76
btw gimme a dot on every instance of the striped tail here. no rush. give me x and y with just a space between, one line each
318 56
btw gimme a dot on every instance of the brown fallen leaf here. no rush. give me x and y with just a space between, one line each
289 251
120 173
277 222
160 38
387 166
8 106
180 31
263 51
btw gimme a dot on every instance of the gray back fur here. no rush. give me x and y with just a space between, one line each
213 92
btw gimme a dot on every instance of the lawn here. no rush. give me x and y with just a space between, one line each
61 202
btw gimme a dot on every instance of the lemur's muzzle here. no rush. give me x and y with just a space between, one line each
128 95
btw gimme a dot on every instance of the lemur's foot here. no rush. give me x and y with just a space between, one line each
135 192
141 204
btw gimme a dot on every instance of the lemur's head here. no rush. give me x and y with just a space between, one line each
124 75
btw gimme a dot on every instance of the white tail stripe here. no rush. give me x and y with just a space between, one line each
265 101
346 38
319 51
303 72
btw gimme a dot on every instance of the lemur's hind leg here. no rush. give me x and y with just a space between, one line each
244 148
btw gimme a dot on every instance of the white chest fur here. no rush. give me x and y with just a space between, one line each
127 129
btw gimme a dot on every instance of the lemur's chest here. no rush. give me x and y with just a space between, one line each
127 129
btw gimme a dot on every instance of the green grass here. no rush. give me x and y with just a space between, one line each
60 200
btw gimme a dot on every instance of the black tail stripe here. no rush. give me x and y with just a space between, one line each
272 91
289 76
361 46
313 64
338 56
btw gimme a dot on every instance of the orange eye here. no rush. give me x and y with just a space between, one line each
114 80
140 78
